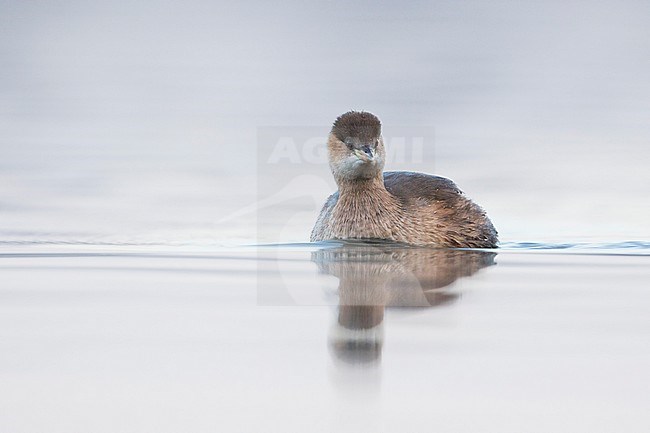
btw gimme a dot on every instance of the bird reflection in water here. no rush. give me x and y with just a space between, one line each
373 276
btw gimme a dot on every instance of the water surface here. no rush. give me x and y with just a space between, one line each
324 337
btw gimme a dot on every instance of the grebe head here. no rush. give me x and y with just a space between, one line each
355 146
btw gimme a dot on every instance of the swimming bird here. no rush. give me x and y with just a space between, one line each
400 206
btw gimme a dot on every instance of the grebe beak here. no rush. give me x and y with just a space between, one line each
366 153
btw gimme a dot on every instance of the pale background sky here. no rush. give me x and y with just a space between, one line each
138 122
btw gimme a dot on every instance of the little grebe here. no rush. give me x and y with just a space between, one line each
401 206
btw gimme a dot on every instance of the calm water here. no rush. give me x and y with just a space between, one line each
161 168
330 337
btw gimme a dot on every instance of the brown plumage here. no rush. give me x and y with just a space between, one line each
361 125
412 208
